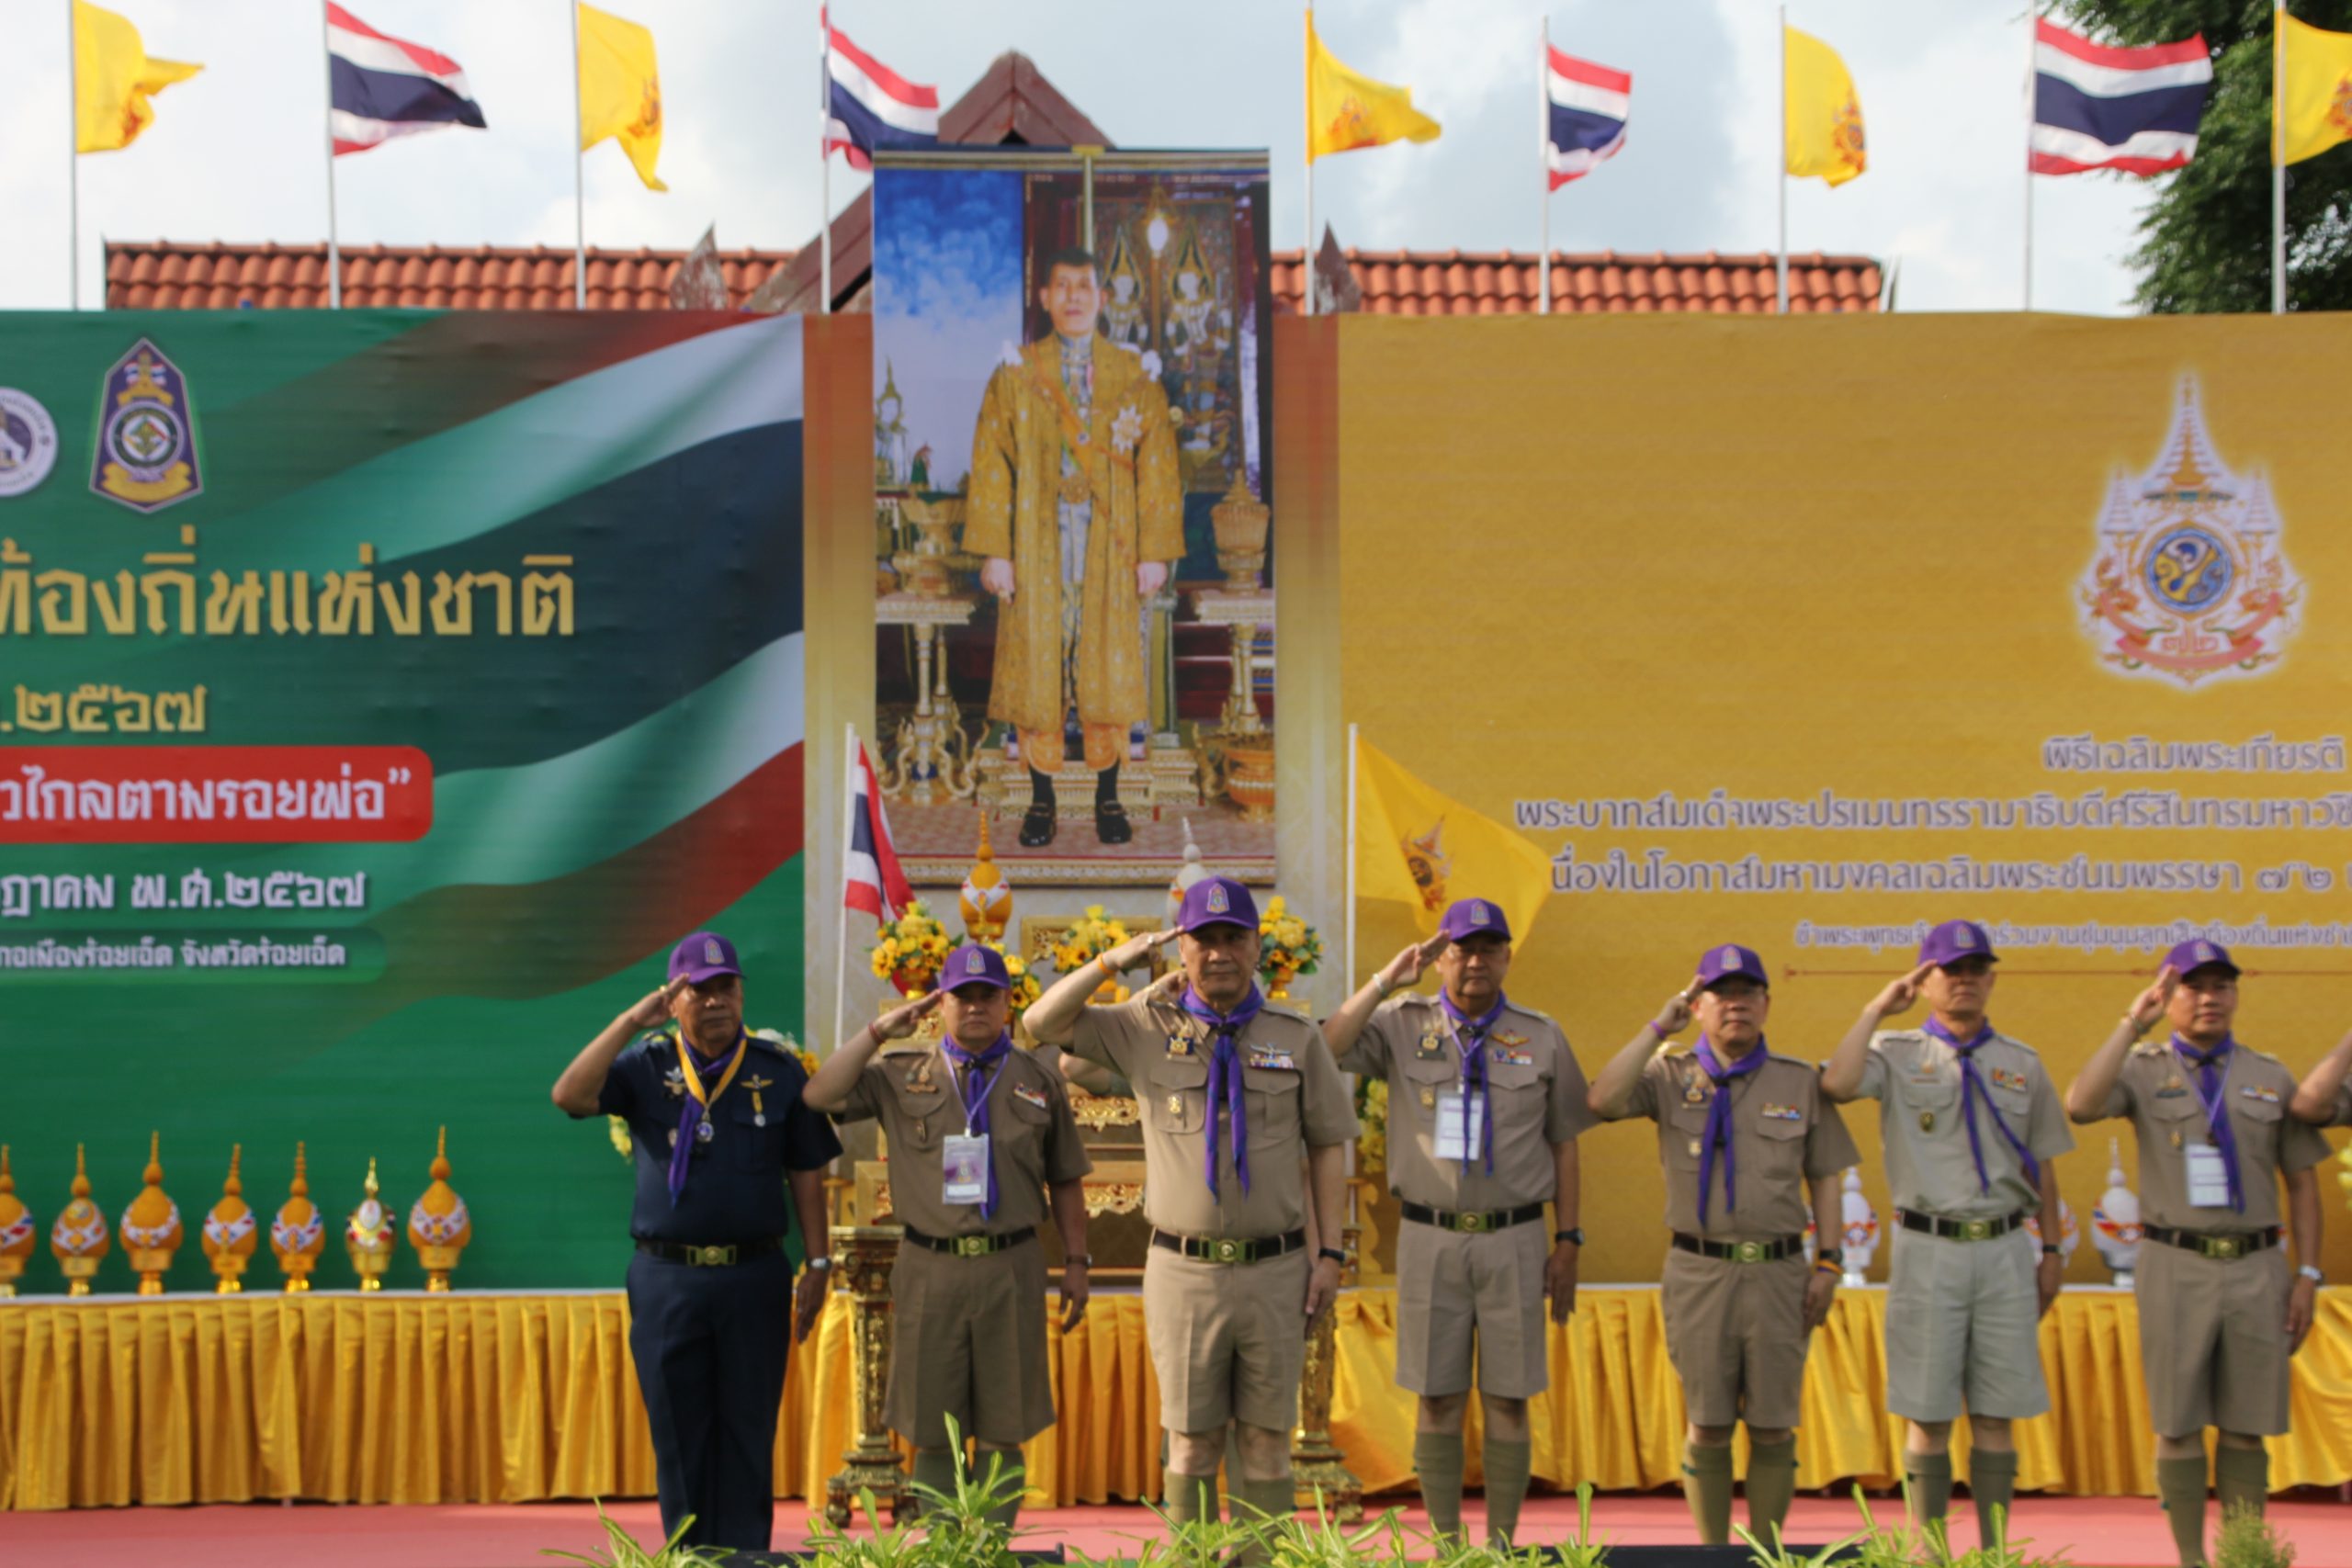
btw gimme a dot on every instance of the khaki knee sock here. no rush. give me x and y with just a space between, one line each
1993 1487
2242 1478
1706 1486
935 1467
1188 1499
1014 1476
1507 1465
1264 1504
2180 1486
1437 1461
1771 1484
1930 1479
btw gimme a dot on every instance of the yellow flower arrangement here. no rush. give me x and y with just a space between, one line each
1287 946
1371 1110
910 951
1091 936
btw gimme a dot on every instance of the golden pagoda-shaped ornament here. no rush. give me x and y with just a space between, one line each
438 1225
986 898
231 1234
369 1236
18 1232
151 1231
298 1233
80 1237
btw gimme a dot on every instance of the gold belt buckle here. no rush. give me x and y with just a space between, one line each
1975 1230
2223 1246
971 1247
1472 1223
1749 1252
711 1256
1226 1250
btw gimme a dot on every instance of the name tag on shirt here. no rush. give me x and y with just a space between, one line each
1460 1125
964 1162
2208 1181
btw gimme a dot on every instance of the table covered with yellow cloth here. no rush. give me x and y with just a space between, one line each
401 1398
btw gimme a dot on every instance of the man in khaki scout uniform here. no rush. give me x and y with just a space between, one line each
979 1133
1742 1132
1238 1095
1485 1104
1971 1128
2220 1309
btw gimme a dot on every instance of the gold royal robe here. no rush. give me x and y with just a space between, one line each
1138 515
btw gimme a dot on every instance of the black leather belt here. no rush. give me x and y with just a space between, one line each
1230 1249
1742 1251
2234 1244
1959 1230
709 1256
970 1246
1473 1224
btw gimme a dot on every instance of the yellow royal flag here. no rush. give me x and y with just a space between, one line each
2315 108
1415 846
620 90
115 81
1345 110
1824 114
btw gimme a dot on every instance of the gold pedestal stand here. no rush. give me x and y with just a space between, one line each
78 1272
862 1258
1319 1473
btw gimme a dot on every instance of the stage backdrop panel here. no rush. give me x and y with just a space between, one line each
1810 634
384 692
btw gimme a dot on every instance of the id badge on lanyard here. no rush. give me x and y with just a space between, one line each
2209 1180
964 1162
1461 1124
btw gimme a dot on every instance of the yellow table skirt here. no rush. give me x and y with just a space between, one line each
512 1398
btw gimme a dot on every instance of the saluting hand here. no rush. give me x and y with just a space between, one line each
1077 1285
1136 949
1405 970
654 1008
1901 995
1675 1017
2151 1004
900 1021
1820 1290
1560 1279
808 1302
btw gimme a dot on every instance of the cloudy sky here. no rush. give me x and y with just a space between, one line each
237 152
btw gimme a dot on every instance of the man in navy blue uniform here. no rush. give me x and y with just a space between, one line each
721 1132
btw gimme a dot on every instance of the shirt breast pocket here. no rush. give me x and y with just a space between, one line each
1782 1139
2257 1133
1179 1095
1517 1090
1274 1102
923 1116
1425 1079
751 1137
1686 1135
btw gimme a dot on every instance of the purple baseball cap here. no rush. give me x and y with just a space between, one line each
1729 960
1473 917
1216 901
1956 940
2187 957
972 964
703 956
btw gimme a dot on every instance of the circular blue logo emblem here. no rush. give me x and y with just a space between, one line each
2189 569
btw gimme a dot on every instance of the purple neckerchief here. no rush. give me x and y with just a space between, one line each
1225 1077
980 1070
1474 1066
690 1115
1719 1122
2212 1066
1972 1088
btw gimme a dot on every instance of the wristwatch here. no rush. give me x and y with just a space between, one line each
821 1265
1334 1254
1830 1254
1083 1259
2052 1249
1573 1235
2310 1272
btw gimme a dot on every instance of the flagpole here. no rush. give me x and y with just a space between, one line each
849 832
579 194
334 250
1543 163
1348 957
824 164
2033 69
1307 110
73 165
1781 292
2277 160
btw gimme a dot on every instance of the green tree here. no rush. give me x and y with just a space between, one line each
2206 239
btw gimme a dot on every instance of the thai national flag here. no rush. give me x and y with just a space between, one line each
871 879
1589 108
2135 109
873 105
384 87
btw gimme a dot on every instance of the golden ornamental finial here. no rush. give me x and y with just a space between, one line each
233 1187
371 1176
301 1185
8 1180
153 1175
81 1171
440 1171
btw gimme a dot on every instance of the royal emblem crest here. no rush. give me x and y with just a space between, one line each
1847 136
146 457
1427 862
2339 104
2188 581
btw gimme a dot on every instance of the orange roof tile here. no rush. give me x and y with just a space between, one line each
1489 283
165 274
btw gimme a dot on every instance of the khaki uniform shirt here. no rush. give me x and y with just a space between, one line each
1536 1088
1916 1080
2159 1093
1033 1138
1784 1135
1295 1100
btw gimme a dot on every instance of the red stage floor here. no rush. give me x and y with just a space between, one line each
2097 1532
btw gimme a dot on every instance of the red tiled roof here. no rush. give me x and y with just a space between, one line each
166 276
1504 283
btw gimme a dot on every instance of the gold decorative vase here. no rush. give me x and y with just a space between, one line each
368 1236
230 1234
151 1231
80 1237
17 1230
438 1225
1250 778
1240 521
298 1233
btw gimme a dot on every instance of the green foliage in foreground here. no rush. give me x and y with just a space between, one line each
2247 1540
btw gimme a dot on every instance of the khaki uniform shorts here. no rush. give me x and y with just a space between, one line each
2211 1342
969 1340
1736 1334
1962 1326
1227 1340
1453 1289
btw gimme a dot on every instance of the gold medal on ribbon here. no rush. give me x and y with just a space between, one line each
694 1078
